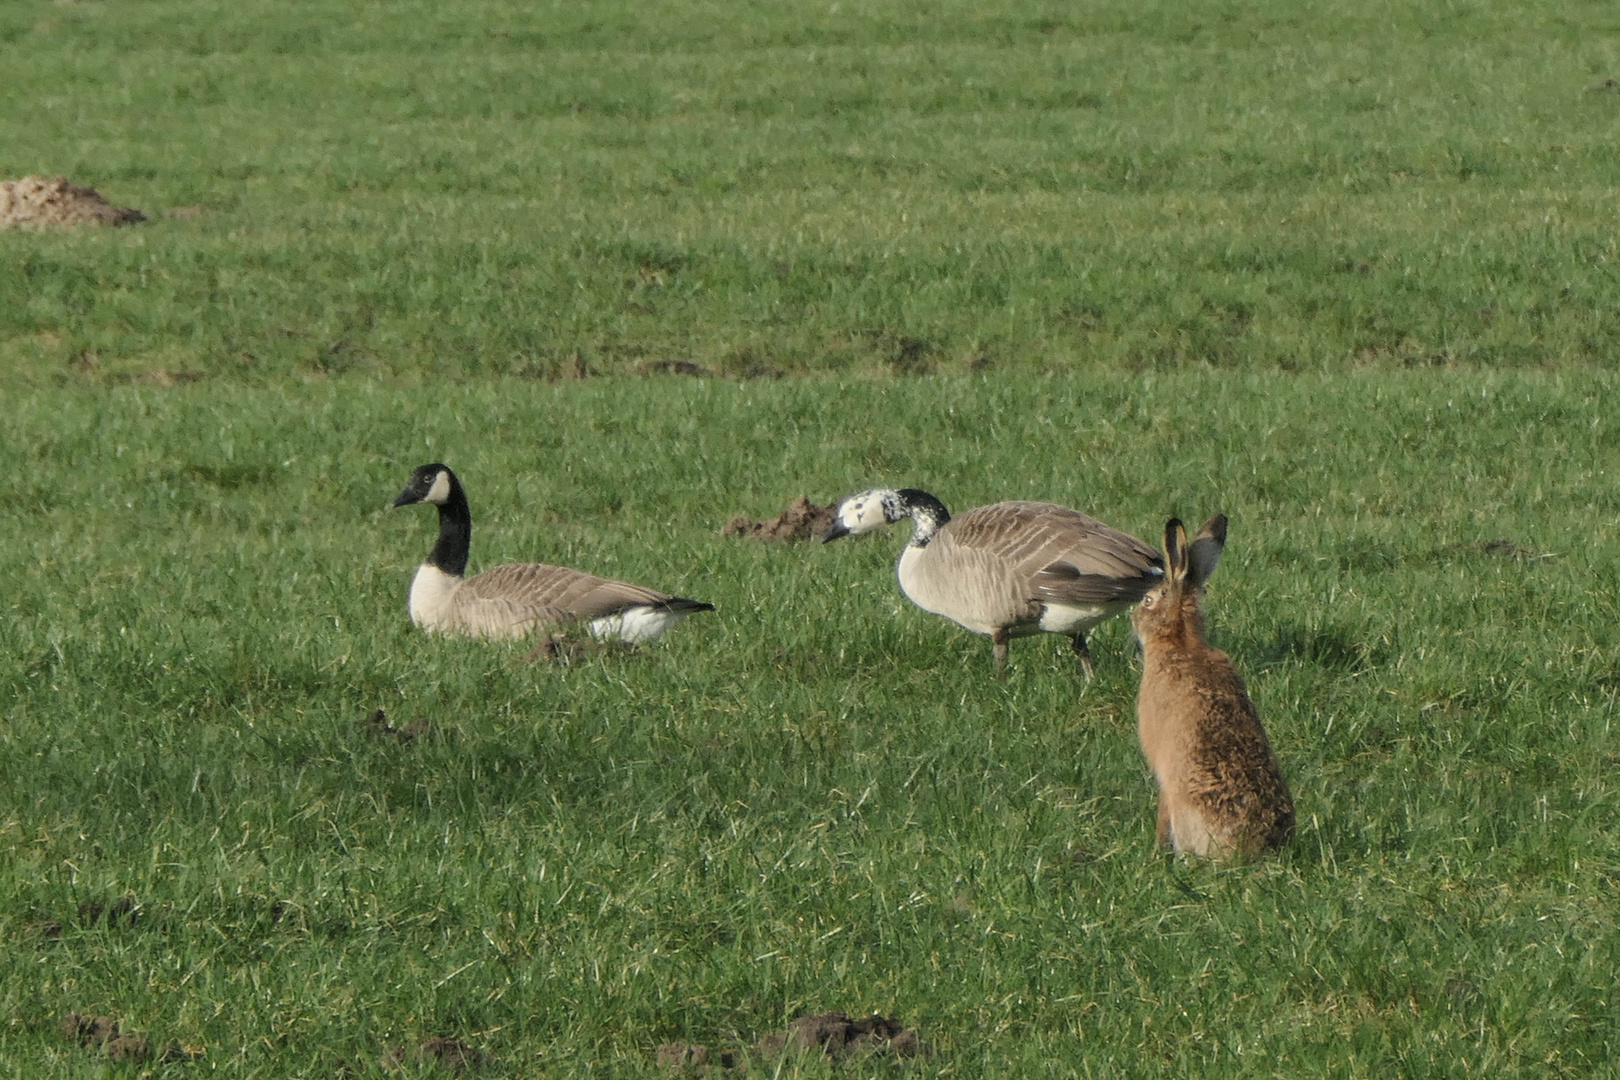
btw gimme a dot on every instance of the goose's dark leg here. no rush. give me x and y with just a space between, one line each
1083 655
999 639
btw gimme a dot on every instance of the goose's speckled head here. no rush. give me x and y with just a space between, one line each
864 512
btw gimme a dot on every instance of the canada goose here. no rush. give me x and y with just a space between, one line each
1010 569
512 600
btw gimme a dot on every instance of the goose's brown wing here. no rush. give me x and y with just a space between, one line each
539 593
1066 555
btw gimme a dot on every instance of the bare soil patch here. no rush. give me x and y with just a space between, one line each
801 519
102 1032
50 202
1502 548
561 650
122 912
453 1054
837 1036
693 1058
565 650
672 367
833 1036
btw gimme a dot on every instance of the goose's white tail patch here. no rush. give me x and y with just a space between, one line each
637 624
1076 618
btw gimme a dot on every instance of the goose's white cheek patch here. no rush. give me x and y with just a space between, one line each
439 493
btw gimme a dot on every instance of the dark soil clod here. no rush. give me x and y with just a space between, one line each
799 520
1507 549
684 1057
1461 991
88 1030
672 367
837 1036
453 1054
125 911
102 1031
563 650
128 1048
833 1036
1500 548
177 1054
377 725
48 929
695 1059
49 202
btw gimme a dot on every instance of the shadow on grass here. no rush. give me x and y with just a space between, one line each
1332 648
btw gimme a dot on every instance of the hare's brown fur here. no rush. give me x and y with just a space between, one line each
1221 793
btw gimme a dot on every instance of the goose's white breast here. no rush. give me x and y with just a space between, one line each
431 591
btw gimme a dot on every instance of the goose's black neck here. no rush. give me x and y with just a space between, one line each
455 532
927 513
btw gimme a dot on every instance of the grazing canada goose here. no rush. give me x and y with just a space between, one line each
1010 569
513 600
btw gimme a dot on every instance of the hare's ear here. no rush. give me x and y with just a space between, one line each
1205 553
1175 551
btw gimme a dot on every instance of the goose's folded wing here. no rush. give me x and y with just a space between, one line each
1061 549
556 593
1064 583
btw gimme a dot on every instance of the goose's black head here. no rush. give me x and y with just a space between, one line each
433 484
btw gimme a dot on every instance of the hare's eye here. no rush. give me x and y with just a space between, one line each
1148 600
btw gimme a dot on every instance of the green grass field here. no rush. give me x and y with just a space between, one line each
481 187
1344 271
817 797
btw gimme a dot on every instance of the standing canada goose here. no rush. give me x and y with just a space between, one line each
1010 569
513 600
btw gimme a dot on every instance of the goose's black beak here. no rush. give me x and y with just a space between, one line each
838 529
406 497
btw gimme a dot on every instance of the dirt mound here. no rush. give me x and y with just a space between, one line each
833 1036
799 520
41 202
102 1031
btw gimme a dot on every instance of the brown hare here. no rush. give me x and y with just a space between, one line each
1221 794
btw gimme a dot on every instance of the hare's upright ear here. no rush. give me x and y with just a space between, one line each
1205 553
1175 551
